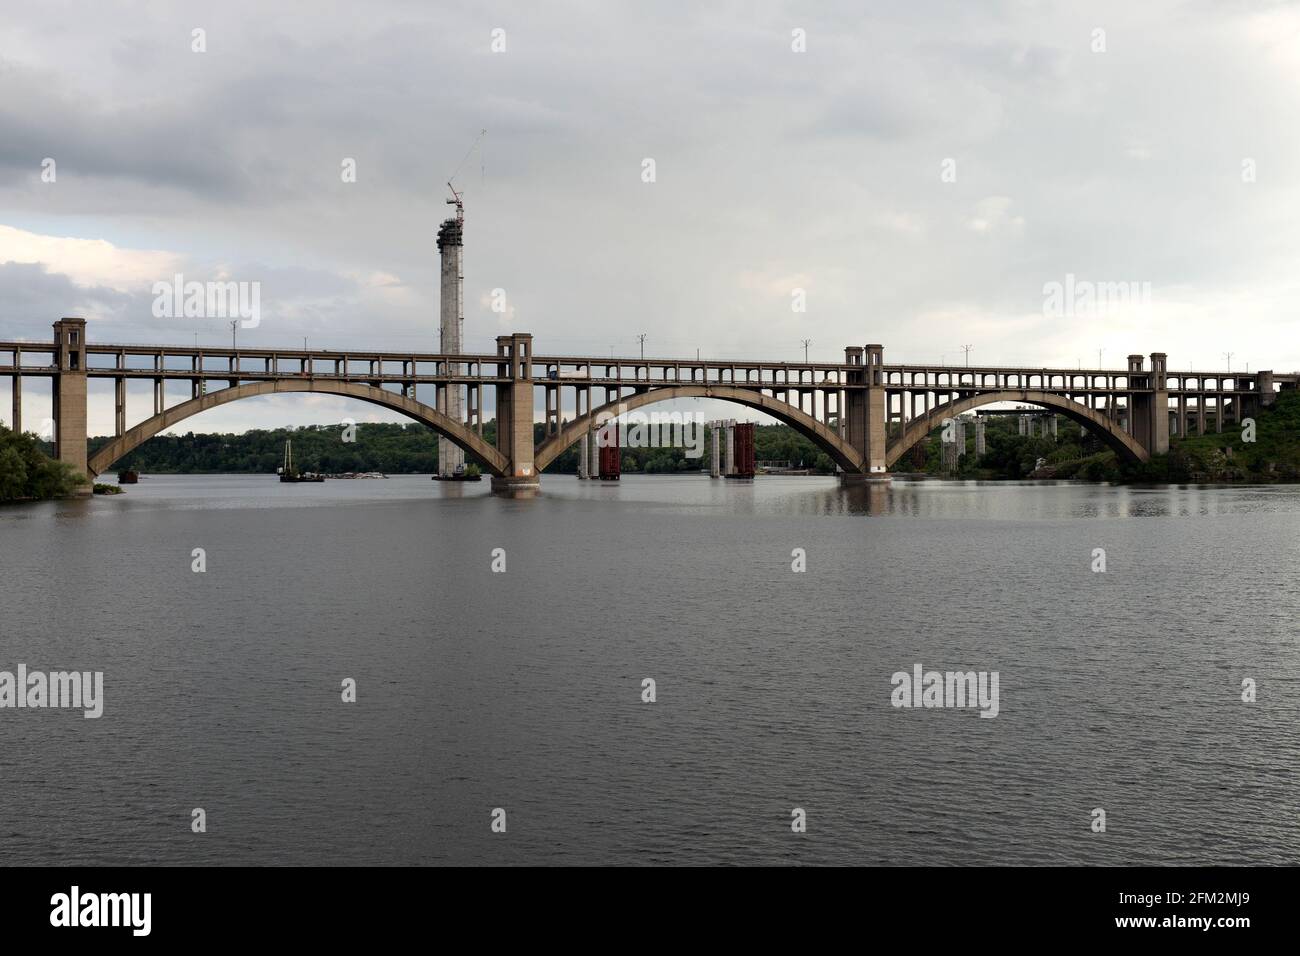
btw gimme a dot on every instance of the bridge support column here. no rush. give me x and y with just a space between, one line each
119 407
1263 381
865 409
515 414
70 396
583 454
1148 411
16 423
715 456
1157 410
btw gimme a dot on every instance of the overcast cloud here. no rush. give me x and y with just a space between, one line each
776 170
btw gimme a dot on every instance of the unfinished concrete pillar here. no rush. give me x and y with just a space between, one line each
715 456
451 314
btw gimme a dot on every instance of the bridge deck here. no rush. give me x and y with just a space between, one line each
381 367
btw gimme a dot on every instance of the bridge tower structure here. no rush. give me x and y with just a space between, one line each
864 410
69 395
515 413
1149 408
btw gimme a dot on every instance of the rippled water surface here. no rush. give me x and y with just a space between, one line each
522 690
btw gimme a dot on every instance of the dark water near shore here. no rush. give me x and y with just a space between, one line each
522 690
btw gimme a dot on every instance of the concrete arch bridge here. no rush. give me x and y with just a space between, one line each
863 413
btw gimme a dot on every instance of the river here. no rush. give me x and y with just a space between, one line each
523 690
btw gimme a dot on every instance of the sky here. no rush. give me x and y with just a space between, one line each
917 174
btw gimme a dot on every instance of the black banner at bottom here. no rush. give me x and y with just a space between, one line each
173 904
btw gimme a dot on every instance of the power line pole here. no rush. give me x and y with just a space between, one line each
966 349
234 327
806 343
1099 351
641 338
1228 356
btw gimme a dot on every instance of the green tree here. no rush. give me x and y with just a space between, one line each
27 472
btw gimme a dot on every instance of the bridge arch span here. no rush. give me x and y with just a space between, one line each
457 432
1121 441
840 451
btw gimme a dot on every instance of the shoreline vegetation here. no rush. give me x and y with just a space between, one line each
29 472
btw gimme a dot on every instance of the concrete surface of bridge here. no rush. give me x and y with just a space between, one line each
863 413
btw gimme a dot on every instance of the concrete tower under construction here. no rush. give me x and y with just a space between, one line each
451 458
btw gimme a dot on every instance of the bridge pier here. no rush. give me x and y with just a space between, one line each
16 423
515 415
864 411
69 396
1148 413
